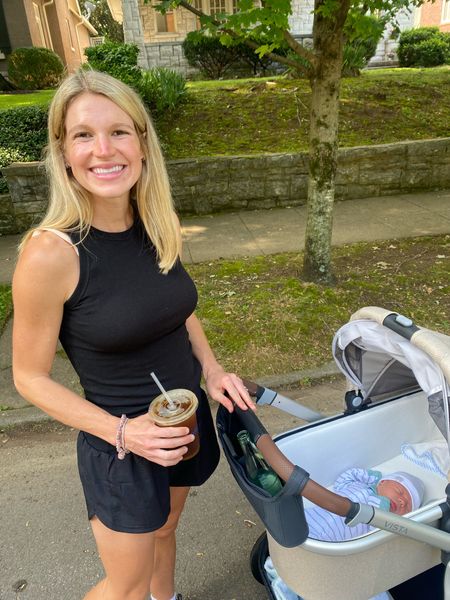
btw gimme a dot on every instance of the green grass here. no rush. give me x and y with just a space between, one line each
249 116
25 99
5 304
262 319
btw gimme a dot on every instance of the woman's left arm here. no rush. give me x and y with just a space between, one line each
218 382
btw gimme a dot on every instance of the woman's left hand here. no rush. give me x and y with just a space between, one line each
228 389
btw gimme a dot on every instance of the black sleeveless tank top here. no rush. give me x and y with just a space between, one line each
126 319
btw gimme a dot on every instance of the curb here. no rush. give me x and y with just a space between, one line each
31 415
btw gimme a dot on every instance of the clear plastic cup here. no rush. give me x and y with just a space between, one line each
182 415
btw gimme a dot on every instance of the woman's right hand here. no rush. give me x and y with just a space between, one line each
164 446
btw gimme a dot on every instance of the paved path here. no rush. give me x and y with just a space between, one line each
251 233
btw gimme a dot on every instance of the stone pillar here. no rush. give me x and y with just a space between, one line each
132 29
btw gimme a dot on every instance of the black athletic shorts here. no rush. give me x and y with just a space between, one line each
132 495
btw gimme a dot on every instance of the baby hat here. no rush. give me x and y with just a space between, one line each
413 484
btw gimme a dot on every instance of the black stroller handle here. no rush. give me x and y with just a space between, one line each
401 325
284 468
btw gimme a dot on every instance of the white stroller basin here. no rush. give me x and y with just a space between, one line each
362 567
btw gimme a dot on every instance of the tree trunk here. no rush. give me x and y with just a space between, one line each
323 144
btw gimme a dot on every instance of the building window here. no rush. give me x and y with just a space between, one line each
216 7
445 11
165 23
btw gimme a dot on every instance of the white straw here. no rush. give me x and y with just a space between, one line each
172 404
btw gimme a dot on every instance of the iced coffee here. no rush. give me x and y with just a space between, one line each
180 412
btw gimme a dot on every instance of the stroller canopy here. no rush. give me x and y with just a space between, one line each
379 361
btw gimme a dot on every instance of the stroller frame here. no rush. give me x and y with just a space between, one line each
420 538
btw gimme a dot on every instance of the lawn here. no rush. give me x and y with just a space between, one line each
252 116
261 319
11 100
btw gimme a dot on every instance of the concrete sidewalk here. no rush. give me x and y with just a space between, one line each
259 232
252 233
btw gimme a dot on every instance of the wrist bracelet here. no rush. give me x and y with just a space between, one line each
120 438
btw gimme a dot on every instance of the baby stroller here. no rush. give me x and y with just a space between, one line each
398 376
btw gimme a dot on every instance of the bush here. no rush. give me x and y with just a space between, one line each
118 60
23 135
34 68
433 52
8 156
423 47
162 89
207 53
357 54
260 64
361 47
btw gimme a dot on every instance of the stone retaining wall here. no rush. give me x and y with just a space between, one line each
7 215
207 185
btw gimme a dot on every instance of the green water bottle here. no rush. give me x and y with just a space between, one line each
258 471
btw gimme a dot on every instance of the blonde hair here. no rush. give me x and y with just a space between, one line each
69 207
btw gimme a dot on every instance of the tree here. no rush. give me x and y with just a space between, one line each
334 22
100 17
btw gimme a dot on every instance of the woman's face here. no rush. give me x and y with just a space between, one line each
397 494
102 147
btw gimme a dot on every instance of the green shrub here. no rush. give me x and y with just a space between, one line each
361 46
8 156
207 53
162 89
34 68
118 60
433 52
259 64
423 47
23 135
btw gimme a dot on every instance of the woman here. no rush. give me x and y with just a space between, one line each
102 273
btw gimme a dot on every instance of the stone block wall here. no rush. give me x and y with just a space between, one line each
28 189
213 184
169 55
7 216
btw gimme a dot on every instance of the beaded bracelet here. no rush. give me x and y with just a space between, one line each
120 438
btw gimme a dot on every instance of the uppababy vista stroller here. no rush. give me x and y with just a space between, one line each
399 377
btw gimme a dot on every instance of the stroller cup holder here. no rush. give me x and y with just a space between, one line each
283 515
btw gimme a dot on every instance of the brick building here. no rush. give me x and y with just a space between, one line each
434 13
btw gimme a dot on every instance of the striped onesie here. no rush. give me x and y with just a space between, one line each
359 485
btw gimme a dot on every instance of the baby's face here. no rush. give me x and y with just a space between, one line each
397 494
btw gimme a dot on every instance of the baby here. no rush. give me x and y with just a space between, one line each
397 492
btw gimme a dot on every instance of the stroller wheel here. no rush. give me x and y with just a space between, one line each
258 555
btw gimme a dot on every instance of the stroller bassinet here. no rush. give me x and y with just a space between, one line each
399 374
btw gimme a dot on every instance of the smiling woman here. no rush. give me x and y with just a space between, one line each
102 273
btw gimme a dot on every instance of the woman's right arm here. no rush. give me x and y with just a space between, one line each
45 277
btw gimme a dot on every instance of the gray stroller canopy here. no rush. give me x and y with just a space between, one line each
380 362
